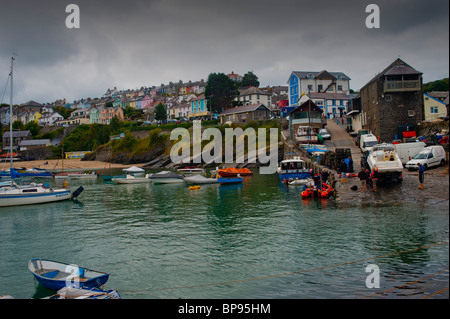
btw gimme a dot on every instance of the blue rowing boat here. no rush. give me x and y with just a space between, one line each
55 275
230 180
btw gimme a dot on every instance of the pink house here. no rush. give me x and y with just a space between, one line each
146 100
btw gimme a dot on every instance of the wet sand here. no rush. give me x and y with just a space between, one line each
69 165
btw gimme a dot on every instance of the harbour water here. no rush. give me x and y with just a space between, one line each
255 240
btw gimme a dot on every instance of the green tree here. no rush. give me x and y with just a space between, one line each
439 85
115 125
64 111
220 91
160 112
33 127
250 79
17 125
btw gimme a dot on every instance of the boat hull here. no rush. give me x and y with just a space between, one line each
131 180
195 180
30 199
229 180
293 176
166 180
55 275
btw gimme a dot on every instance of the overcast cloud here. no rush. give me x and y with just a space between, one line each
129 44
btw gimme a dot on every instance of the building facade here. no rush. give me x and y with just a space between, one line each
391 100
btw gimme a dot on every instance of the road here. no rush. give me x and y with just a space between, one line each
341 139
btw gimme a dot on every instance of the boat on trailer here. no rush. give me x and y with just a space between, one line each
56 275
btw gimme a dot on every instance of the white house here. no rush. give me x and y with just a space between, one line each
254 95
50 119
318 82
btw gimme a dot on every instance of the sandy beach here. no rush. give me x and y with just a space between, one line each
69 165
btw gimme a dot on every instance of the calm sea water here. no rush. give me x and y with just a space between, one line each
256 240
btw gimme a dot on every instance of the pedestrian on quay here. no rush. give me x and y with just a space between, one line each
349 163
324 176
362 175
343 169
421 174
374 178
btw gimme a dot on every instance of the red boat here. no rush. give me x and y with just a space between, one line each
229 172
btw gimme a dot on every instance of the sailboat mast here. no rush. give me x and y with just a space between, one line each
11 118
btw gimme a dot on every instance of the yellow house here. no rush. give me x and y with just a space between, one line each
36 116
433 107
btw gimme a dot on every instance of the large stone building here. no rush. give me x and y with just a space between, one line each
392 101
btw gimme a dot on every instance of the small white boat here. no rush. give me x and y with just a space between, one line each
200 179
301 182
76 175
12 194
134 169
166 177
191 170
84 293
131 179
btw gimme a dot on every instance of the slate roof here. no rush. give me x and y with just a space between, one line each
315 74
243 109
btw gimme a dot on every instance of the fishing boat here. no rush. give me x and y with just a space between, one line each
84 293
166 177
230 172
190 170
293 169
56 275
131 179
200 179
15 195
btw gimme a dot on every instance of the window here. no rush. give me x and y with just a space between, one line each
411 112
434 109
320 87
388 98
310 87
339 87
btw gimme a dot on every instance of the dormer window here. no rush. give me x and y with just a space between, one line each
310 76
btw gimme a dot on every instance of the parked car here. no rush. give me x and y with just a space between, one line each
324 133
428 157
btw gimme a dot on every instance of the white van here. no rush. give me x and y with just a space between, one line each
367 141
430 156
407 151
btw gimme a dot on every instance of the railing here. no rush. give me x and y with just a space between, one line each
395 86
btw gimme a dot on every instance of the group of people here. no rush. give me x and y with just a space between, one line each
366 176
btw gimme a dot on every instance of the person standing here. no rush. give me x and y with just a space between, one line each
343 169
374 178
362 175
421 174
324 176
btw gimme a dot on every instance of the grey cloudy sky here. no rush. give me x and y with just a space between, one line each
129 44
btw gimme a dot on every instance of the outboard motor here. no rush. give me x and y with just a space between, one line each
77 192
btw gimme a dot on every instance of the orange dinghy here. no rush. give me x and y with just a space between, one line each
325 192
230 171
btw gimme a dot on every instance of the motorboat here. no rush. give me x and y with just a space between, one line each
166 177
131 179
56 275
230 180
384 158
12 194
200 179
292 169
